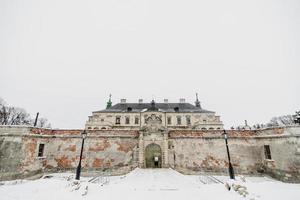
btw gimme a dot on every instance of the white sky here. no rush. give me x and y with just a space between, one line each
63 58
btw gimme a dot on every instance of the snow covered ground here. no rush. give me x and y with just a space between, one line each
146 184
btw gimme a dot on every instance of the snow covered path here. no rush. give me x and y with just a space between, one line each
146 184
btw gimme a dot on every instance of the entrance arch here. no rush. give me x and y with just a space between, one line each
153 156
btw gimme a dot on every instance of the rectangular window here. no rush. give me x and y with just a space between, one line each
41 150
178 120
127 120
118 120
188 120
267 152
136 120
169 120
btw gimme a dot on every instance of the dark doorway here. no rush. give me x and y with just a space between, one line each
153 156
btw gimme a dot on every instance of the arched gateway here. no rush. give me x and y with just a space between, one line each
153 156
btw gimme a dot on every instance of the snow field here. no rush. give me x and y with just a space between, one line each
146 184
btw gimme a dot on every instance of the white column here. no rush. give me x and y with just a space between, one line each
141 151
166 148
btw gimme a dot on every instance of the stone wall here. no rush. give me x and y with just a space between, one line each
198 151
102 150
188 151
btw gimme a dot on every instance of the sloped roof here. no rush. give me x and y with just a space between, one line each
164 107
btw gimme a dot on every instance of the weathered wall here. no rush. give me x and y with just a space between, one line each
206 152
102 150
186 150
11 152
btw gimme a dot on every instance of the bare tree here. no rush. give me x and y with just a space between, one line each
284 120
10 115
43 123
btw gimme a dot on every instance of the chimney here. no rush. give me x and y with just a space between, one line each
140 100
123 100
166 101
181 100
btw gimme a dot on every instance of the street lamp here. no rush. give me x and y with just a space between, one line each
78 170
297 117
230 168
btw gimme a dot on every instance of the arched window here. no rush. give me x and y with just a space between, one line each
178 120
127 120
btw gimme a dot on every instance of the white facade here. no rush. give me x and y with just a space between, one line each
136 119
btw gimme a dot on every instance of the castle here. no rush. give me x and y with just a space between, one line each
136 116
124 136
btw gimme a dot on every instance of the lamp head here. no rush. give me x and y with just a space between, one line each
225 134
84 134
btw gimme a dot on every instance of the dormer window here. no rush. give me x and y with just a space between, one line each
176 109
129 109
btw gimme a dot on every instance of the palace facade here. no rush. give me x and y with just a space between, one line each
137 116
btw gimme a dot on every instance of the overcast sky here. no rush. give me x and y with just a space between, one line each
64 57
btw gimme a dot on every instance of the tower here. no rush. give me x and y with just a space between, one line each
197 102
109 103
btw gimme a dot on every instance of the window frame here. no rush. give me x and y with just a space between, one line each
179 120
41 150
267 150
188 120
169 120
127 120
136 120
118 120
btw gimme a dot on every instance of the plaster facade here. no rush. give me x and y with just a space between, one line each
119 151
172 115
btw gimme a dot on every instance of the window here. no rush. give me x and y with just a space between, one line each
169 120
136 120
41 150
188 120
178 120
127 120
267 152
118 120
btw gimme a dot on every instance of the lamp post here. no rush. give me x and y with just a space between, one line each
78 170
230 168
297 117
